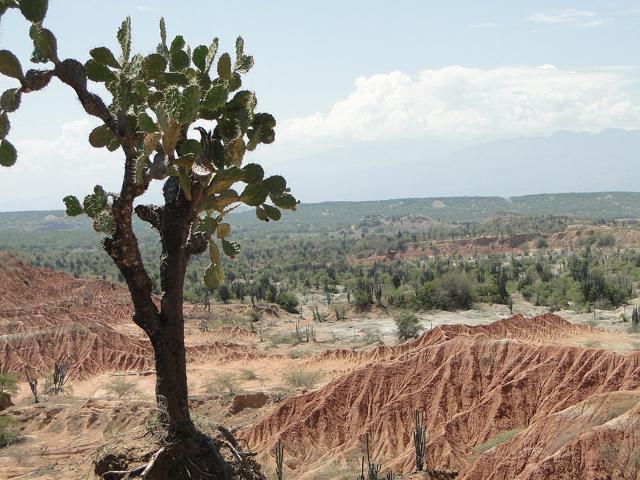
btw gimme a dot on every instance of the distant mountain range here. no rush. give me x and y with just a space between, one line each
333 215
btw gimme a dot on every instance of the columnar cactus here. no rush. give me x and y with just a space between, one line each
155 101
419 439
373 469
279 451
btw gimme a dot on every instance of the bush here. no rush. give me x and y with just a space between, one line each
362 297
450 292
408 326
606 240
8 433
299 352
541 242
340 311
248 374
301 378
283 338
122 388
8 383
224 293
288 301
224 383
598 239
255 315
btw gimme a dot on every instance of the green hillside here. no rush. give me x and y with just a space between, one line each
328 216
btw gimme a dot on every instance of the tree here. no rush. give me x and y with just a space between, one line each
288 301
224 293
33 385
408 326
122 388
155 101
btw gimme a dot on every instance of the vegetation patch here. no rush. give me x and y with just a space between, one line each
300 378
497 439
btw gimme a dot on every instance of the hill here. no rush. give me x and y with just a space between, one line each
479 387
330 216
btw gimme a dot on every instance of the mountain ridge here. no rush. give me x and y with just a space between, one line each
607 205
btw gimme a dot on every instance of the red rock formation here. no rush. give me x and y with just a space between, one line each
473 383
47 316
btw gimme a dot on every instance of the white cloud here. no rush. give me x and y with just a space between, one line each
562 16
583 18
47 170
459 103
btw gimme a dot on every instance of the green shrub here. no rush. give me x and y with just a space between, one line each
255 315
8 431
450 292
121 388
408 326
8 383
362 295
248 374
599 239
288 301
541 242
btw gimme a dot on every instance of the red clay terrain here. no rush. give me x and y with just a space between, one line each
548 411
47 316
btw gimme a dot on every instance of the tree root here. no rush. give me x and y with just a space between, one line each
196 457
120 474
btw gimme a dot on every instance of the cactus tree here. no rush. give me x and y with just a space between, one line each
155 100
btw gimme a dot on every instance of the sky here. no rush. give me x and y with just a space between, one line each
374 99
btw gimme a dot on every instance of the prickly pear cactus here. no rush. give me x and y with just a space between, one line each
155 100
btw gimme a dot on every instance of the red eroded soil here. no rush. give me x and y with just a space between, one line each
47 316
550 411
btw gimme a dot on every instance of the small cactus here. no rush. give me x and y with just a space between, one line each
361 475
279 457
373 469
419 439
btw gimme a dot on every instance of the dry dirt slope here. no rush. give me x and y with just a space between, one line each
568 412
47 316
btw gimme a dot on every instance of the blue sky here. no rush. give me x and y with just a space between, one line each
429 76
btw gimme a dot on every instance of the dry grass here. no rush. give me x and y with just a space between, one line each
224 383
302 378
248 374
19 455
